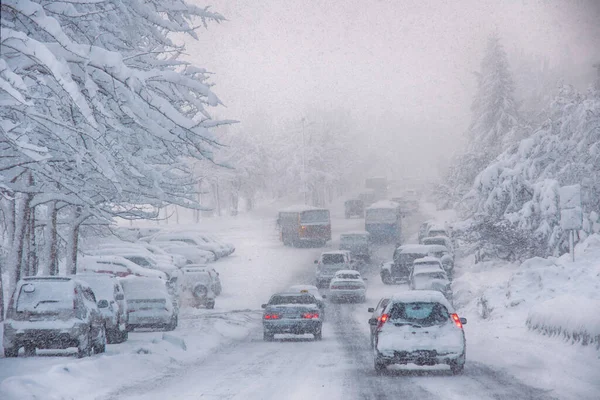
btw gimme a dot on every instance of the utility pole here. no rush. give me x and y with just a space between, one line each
304 189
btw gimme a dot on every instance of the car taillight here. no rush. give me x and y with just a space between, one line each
310 315
271 316
335 287
456 320
382 320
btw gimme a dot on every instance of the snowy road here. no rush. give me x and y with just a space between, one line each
339 367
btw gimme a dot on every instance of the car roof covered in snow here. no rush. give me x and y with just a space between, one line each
300 208
383 204
425 296
294 288
335 252
438 237
426 269
414 248
427 260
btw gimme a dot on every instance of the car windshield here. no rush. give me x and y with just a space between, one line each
45 297
333 258
439 241
407 258
141 285
314 216
418 313
301 299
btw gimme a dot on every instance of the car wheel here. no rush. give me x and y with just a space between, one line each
318 335
11 352
456 368
100 346
84 348
380 367
29 350
172 325
268 337
210 305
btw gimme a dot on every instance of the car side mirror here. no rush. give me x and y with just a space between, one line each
373 321
371 309
120 296
264 306
103 304
463 320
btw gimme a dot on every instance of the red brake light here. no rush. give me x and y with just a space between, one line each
310 315
382 320
456 320
271 316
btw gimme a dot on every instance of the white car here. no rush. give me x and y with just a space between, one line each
347 285
195 239
149 304
108 289
138 255
419 327
117 266
427 274
329 263
198 287
215 277
193 254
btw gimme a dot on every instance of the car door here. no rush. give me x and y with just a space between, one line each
377 314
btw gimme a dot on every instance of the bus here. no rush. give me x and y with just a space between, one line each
300 225
383 220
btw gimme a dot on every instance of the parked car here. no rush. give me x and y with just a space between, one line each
398 270
428 274
192 253
422 328
196 239
315 292
347 285
439 240
215 277
329 263
198 286
108 290
354 208
53 313
292 313
376 314
358 243
117 266
424 229
149 304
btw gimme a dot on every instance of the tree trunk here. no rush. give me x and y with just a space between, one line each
73 241
52 245
15 258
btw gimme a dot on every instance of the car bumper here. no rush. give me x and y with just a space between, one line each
43 338
347 294
140 319
293 327
420 357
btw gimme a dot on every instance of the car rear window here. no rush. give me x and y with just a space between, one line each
45 297
347 276
418 313
315 216
333 258
303 299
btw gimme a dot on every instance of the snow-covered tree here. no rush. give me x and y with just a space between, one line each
98 114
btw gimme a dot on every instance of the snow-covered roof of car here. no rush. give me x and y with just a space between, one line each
427 260
415 248
427 269
355 233
426 296
384 204
300 208
439 237
294 288
335 252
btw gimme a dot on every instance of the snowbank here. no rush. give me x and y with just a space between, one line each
573 318
143 358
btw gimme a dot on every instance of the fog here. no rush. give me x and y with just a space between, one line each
398 69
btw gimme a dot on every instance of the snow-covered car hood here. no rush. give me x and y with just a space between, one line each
445 339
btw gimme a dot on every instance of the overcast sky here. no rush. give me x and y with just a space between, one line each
402 67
